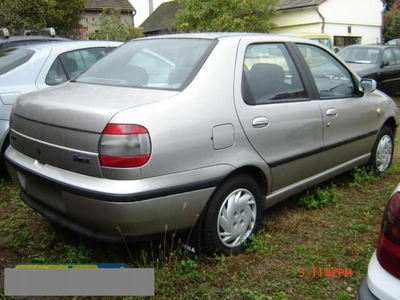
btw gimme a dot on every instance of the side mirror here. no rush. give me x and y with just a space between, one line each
367 85
384 64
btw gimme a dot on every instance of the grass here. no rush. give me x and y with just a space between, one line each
302 242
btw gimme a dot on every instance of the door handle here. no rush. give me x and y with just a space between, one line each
332 113
260 122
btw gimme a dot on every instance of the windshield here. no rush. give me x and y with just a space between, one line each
324 42
13 58
360 55
167 63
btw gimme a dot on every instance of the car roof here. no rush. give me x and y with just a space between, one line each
30 37
72 45
265 37
218 35
221 35
393 40
7 42
377 46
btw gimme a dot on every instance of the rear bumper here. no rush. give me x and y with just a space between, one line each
104 209
363 291
378 284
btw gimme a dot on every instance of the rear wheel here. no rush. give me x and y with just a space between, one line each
382 152
232 216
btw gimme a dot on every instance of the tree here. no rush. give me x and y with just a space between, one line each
393 5
111 27
64 16
392 21
389 3
226 15
67 16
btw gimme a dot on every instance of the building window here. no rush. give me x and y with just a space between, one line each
343 41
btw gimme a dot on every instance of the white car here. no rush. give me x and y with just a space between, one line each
39 66
383 278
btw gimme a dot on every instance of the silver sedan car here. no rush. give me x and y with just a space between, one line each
196 133
40 66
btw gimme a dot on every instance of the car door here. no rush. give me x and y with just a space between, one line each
389 75
276 113
349 117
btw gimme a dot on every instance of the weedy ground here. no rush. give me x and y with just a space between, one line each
316 245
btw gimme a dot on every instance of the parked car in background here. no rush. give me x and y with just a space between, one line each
379 62
26 69
197 133
8 41
394 42
322 38
383 278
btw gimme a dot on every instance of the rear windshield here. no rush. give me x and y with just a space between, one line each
168 63
13 58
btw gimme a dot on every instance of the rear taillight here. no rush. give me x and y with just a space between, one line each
124 146
388 249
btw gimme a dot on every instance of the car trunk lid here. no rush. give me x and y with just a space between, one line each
65 132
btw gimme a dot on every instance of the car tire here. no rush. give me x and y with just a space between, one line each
232 215
382 152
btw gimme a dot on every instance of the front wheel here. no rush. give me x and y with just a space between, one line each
382 152
233 214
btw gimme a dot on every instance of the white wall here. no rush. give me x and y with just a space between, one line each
364 17
365 12
368 34
91 20
142 9
297 18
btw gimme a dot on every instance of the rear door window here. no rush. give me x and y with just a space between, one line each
270 75
56 73
388 57
85 57
70 64
396 52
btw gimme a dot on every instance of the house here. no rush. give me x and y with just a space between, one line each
94 8
346 21
162 19
144 8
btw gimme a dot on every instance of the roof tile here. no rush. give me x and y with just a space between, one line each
99 4
162 18
288 4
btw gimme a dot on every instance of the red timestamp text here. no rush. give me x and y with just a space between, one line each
331 272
